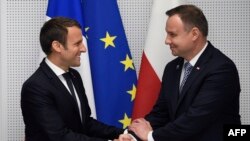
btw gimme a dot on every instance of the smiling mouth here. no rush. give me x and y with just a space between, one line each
78 57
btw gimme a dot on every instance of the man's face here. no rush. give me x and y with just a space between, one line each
70 54
179 39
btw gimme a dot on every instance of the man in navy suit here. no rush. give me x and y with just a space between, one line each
53 100
200 88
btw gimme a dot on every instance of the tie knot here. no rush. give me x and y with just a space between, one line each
66 75
188 66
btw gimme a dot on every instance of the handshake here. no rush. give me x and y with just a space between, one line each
137 131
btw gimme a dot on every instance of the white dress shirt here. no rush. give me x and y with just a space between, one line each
192 61
59 73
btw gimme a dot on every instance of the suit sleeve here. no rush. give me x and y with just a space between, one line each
99 129
219 89
95 127
38 107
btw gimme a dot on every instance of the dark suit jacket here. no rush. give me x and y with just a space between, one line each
209 99
51 114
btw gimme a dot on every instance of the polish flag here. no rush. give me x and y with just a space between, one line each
154 59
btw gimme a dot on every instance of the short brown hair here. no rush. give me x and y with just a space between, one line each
191 16
55 29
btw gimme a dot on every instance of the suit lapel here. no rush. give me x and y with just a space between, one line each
56 82
176 83
197 70
79 94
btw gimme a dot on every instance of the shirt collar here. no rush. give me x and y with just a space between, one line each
197 56
58 71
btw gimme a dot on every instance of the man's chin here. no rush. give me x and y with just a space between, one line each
76 65
174 54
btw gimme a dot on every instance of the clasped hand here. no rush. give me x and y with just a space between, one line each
140 127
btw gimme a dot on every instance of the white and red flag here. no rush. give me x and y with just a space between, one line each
155 56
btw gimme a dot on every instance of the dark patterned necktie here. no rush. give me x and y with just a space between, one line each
188 68
67 77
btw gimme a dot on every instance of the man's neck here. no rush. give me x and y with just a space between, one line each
56 61
198 47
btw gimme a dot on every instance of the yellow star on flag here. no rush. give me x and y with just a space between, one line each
128 63
108 40
132 92
126 121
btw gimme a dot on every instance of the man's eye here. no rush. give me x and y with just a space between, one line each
172 34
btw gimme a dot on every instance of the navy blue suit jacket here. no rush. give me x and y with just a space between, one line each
209 99
51 114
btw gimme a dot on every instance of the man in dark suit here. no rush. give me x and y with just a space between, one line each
53 109
200 88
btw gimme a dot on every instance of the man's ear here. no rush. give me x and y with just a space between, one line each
196 33
56 46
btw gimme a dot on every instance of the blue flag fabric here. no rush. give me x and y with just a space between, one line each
113 72
67 8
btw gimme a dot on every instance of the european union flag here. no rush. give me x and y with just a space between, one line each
112 68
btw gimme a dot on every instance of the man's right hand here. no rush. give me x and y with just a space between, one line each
125 137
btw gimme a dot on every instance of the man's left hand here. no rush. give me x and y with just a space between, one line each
141 128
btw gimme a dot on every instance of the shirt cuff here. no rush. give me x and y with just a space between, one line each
150 136
126 132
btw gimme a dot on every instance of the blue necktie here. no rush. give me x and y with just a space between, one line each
188 68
